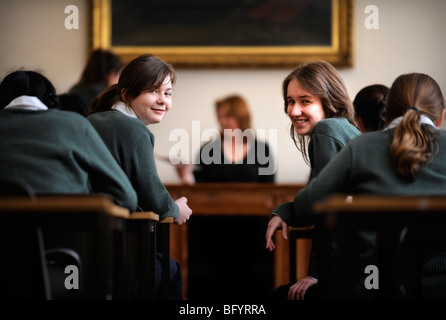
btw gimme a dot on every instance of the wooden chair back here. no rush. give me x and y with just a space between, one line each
378 247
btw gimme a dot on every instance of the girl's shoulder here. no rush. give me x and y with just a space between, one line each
333 123
117 118
116 121
334 127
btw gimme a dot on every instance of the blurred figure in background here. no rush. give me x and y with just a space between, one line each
370 107
73 103
239 159
235 265
101 71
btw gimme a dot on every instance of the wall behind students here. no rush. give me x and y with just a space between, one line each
410 38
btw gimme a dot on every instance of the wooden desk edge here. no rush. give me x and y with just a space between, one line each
146 215
66 203
118 211
375 203
311 227
167 220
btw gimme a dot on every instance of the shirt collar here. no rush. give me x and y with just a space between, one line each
423 119
121 106
27 103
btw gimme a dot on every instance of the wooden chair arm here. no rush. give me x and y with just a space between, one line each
295 233
145 215
118 212
306 228
166 220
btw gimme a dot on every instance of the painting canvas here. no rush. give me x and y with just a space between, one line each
225 33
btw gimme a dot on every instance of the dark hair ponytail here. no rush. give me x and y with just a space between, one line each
105 100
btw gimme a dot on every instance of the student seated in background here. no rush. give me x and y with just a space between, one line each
407 158
54 151
72 102
101 71
121 116
370 107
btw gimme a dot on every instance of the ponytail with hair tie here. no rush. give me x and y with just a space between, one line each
414 141
416 109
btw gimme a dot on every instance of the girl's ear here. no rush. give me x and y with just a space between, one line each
123 94
439 121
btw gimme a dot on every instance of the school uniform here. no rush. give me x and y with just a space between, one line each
222 170
132 144
328 137
56 151
365 166
52 152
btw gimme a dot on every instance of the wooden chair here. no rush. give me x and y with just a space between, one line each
28 243
57 261
404 234
12 188
146 236
164 248
294 234
48 221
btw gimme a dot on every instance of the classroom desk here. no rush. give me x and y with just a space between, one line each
230 199
57 216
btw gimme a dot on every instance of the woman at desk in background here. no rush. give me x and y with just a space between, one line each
239 160
323 122
235 265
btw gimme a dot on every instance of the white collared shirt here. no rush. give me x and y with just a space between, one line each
27 103
120 106
424 119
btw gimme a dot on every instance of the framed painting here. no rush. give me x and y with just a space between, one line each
226 33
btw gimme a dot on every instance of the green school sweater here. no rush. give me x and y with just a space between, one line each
87 93
328 137
132 143
364 166
57 151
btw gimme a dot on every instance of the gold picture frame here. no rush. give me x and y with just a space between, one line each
339 52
